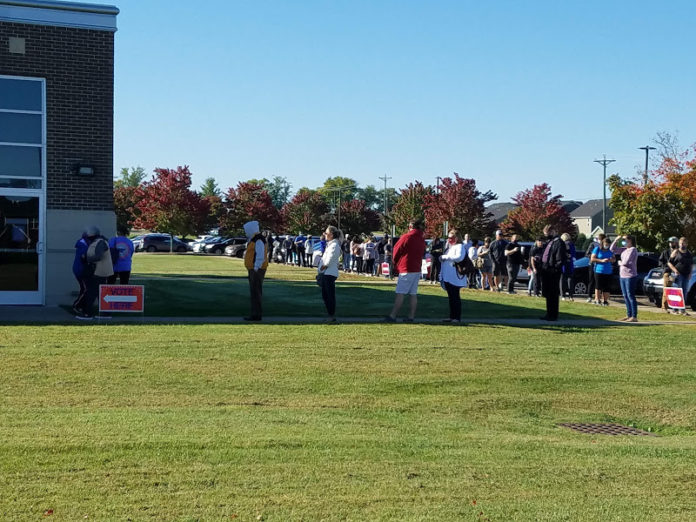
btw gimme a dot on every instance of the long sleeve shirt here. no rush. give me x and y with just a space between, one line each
629 259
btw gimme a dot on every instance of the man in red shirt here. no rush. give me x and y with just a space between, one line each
407 258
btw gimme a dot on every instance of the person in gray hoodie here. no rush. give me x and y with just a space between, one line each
256 262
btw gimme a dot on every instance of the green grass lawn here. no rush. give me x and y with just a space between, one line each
216 286
347 422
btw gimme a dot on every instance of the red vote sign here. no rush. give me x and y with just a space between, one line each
121 298
675 297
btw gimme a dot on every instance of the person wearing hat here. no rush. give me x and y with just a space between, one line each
672 246
96 268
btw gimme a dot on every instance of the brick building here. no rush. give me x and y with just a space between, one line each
56 141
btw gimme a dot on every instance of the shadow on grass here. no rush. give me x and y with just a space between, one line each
229 297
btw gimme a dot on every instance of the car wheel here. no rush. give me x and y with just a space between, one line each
181 249
580 288
151 249
217 251
240 254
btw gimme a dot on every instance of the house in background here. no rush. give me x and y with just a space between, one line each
500 210
588 218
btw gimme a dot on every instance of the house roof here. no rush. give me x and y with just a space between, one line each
500 210
590 209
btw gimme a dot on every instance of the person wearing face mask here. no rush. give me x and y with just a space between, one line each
628 274
681 263
551 268
450 277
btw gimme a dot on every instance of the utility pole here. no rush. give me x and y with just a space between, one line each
338 208
647 150
385 178
604 162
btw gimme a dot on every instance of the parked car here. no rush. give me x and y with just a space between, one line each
162 243
137 242
653 287
646 262
216 246
236 247
199 246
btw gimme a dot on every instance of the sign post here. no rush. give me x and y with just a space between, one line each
122 298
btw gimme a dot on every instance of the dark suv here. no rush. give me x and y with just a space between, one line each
162 243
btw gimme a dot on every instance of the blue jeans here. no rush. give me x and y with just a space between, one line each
628 289
682 281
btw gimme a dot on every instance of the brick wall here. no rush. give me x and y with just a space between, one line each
78 65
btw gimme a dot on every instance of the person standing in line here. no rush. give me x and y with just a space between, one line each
408 257
328 268
591 280
513 262
380 254
79 270
437 247
452 281
357 251
681 263
535 254
603 262
473 256
672 246
256 262
300 249
97 268
628 274
309 251
486 265
345 249
388 249
370 250
568 268
123 247
551 267
497 250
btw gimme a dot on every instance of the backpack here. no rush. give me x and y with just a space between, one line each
464 266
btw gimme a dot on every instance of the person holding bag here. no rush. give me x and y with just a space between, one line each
328 270
451 278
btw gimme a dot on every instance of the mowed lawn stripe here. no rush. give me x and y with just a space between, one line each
349 422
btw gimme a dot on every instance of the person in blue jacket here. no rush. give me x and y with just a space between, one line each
79 264
122 256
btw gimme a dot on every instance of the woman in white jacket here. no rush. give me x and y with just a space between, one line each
450 278
328 269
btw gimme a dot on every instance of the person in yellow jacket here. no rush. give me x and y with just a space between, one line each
256 262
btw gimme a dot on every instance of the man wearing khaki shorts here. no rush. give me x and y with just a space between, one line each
407 258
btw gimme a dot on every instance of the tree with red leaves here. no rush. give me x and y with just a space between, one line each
167 204
307 212
462 205
125 206
410 205
536 208
357 218
249 201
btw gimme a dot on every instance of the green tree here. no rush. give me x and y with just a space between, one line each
210 188
338 189
132 177
410 205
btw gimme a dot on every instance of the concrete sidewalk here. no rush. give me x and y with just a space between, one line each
56 315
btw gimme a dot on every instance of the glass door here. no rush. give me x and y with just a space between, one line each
21 248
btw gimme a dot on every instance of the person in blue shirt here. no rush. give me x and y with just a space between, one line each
122 256
78 268
603 261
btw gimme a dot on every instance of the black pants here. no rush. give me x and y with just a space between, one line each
567 284
328 294
359 264
256 292
369 266
591 283
455 301
123 278
513 271
551 288
435 268
85 302
300 256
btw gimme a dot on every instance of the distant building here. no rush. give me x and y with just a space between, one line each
56 142
588 218
500 210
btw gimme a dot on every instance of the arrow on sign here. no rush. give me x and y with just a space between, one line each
121 299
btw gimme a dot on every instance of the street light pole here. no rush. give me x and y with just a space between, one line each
385 178
647 150
604 162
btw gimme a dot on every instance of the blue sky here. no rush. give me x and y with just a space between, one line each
511 93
